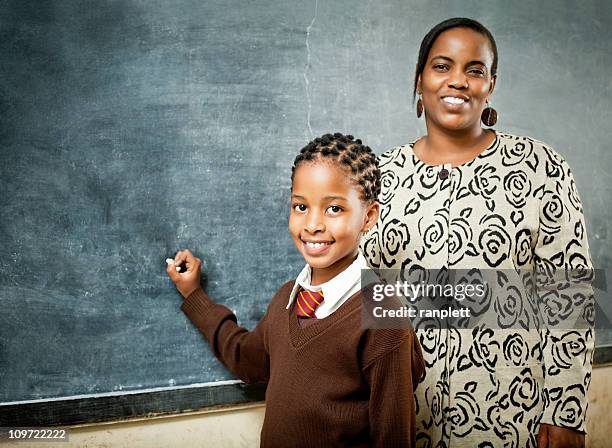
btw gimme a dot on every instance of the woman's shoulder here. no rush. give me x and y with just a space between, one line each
519 148
513 152
396 156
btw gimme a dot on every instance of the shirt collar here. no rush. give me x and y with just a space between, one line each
334 289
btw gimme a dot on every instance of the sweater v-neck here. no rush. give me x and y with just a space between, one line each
301 336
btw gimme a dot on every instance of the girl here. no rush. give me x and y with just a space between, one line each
465 197
331 382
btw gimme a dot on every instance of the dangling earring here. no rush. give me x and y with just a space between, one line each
419 106
489 116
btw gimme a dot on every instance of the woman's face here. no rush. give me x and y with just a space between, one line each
456 80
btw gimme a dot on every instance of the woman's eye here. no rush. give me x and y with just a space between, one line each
334 209
440 67
476 71
299 208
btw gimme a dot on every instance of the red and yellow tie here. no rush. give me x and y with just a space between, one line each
307 303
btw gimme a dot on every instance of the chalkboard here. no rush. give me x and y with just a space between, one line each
132 129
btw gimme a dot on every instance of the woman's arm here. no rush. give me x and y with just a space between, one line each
564 271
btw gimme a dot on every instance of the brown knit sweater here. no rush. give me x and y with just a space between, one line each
332 383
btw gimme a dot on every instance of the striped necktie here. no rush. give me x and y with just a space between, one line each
307 303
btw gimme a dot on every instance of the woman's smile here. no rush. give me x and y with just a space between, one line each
454 103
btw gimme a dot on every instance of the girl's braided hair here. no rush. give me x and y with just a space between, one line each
356 158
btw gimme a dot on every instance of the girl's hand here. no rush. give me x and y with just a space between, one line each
557 437
188 281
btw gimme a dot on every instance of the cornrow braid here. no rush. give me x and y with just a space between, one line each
356 158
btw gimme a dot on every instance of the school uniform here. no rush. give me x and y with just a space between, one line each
330 381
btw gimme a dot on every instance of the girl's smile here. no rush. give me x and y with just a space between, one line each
316 247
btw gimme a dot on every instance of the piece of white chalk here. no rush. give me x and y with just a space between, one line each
171 261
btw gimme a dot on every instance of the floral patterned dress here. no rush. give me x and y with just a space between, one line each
514 207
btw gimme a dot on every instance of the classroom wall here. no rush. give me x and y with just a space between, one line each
239 427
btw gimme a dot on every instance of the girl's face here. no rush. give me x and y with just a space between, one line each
327 218
456 80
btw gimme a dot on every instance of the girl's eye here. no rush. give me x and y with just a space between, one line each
440 67
299 208
334 209
476 71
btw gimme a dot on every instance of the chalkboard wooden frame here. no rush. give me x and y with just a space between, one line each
128 406
141 404
603 355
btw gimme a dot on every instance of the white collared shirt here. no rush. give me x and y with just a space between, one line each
335 291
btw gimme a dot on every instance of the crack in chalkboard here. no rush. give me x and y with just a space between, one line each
314 18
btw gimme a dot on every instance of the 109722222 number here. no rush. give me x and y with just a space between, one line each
48 434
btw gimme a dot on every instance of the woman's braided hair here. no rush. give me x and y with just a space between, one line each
352 155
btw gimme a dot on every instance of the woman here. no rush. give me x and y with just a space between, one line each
465 197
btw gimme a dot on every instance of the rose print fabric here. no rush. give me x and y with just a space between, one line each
515 207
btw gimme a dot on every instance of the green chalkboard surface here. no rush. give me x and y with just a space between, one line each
130 129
